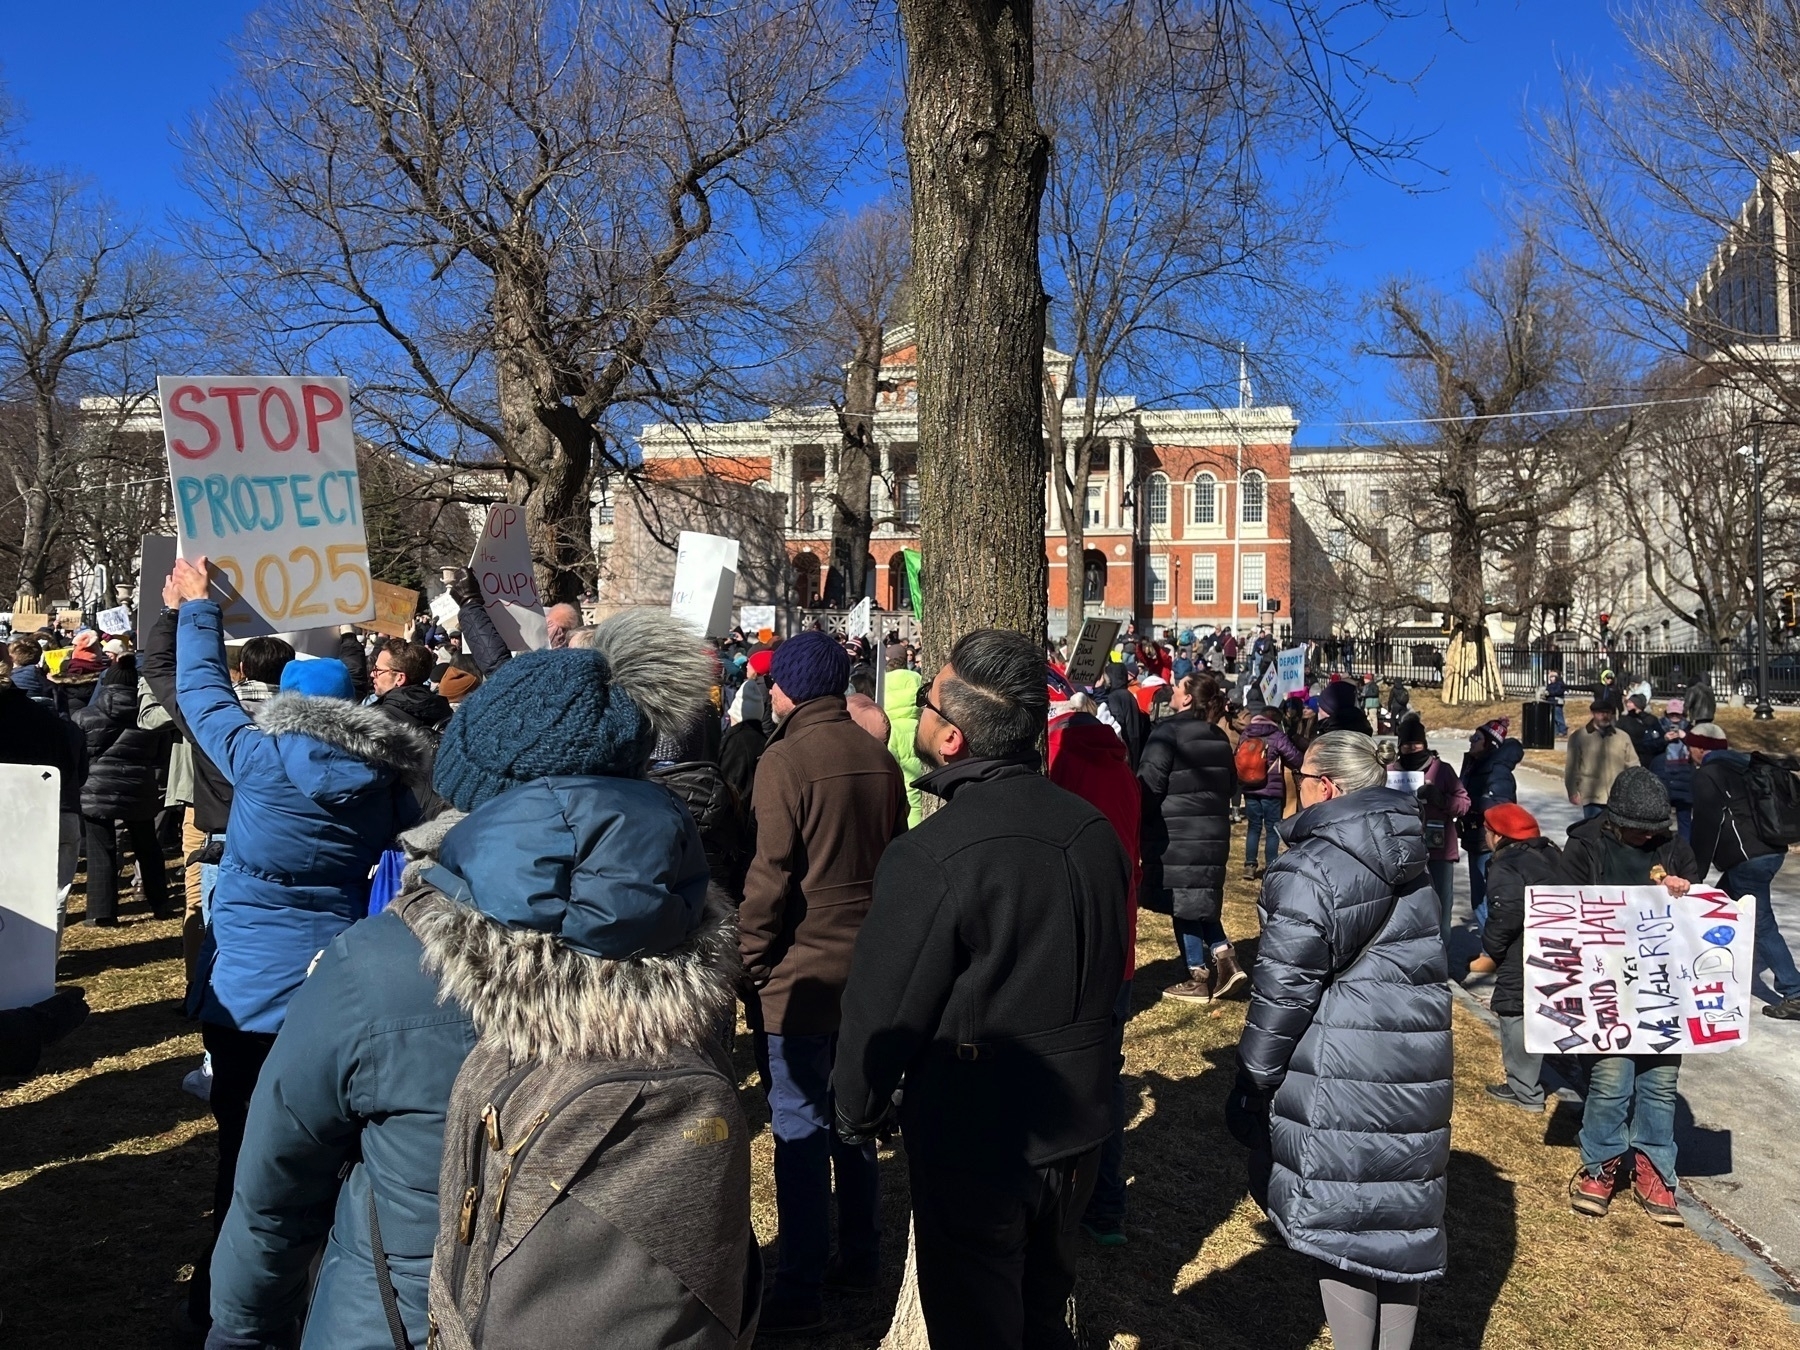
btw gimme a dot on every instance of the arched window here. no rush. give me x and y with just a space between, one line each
1093 577
1256 495
1206 500
1156 499
806 579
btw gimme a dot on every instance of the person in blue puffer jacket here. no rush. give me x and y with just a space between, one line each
319 787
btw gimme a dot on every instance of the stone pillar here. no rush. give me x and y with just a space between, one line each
1129 457
1115 490
882 500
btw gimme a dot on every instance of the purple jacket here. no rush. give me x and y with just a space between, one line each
1280 751
1449 802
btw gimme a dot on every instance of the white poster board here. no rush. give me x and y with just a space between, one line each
156 559
1271 686
263 472
754 618
1406 780
705 581
1092 648
114 622
30 802
509 593
443 609
1613 970
1290 668
861 619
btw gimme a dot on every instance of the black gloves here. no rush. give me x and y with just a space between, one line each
466 590
1247 1112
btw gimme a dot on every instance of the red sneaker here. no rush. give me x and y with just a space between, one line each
1653 1193
1591 1193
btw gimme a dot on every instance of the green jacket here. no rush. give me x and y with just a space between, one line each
900 697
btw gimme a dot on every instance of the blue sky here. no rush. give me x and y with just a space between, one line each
105 84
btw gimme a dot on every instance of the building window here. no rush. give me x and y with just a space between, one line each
1422 548
1256 492
1156 499
1093 577
1334 502
909 501
604 509
1206 579
1156 580
1559 545
1337 545
1206 500
1253 574
1096 502
1425 593
1378 501
1378 542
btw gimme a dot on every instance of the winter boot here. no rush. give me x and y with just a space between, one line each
1591 1193
1198 989
1653 1193
1228 975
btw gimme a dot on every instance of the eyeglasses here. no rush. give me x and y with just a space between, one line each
923 701
1301 773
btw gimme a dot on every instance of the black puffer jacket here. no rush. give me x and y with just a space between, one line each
156 663
1516 864
721 815
1187 775
122 759
1349 1029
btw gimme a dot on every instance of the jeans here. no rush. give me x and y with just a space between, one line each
1478 865
996 1255
1260 812
1106 1208
796 1073
1523 1069
237 1060
1197 938
1634 1090
1562 725
1443 881
103 868
1753 877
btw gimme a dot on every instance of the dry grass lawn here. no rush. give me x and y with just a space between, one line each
105 1177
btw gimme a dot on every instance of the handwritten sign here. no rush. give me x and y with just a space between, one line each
263 470
753 619
1290 672
114 622
1271 685
1617 970
502 564
860 619
705 581
394 609
1093 645
29 799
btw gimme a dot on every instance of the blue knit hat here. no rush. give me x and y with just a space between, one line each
810 665
542 714
323 677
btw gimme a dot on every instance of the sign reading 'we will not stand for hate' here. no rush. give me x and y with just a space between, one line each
263 469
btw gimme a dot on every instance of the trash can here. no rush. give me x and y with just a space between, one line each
1539 726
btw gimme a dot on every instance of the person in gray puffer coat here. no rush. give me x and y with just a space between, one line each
1344 1070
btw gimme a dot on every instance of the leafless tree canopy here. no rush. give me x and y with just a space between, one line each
522 226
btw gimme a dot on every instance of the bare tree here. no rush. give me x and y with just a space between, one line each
521 225
1478 497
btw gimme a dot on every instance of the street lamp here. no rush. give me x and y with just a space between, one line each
1764 711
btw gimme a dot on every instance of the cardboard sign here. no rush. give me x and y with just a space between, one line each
1633 970
754 618
394 609
114 622
263 471
29 620
68 618
509 593
156 559
30 799
861 619
705 582
1290 672
1092 648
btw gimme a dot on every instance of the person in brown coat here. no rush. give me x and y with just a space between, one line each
827 800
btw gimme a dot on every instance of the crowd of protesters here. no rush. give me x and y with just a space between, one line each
466 933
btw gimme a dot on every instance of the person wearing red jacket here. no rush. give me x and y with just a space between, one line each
1088 758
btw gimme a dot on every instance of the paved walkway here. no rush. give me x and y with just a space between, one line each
1740 1111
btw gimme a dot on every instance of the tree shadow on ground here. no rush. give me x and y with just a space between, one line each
74 966
97 1113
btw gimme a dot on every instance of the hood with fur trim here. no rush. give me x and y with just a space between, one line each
662 664
332 749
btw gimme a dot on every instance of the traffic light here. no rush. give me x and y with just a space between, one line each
1605 626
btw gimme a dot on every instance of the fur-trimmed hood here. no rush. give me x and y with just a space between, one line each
350 746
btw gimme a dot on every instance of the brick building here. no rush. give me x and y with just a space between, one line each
1184 512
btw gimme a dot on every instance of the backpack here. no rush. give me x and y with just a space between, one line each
1774 783
1252 761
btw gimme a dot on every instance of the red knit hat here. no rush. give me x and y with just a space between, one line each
759 661
1509 820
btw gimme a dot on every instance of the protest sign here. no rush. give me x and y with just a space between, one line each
705 581
509 593
754 618
114 622
1405 780
1092 648
29 620
1614 970
1290 667
443 609
1271 685
394 609
29 803
263 470
861 619
68 618
156 559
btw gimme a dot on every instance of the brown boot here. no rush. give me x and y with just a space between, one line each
1228 975
1195 990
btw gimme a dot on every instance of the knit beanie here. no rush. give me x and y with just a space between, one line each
1496 730
1709 736
1337 699
811 665
1638 801
1411 730
1509 820
322 677
458 684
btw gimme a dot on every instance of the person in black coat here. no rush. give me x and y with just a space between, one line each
1187 775
1521 858
1344 1069
986 975
1129 720
31 733
120 786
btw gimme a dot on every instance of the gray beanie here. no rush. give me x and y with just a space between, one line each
1638 801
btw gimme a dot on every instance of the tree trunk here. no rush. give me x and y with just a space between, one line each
851 520
977 159
39 533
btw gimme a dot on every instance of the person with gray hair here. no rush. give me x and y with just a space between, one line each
1344 1070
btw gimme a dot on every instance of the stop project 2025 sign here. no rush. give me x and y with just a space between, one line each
263 471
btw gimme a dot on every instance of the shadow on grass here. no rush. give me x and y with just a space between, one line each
74 966
96 1113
